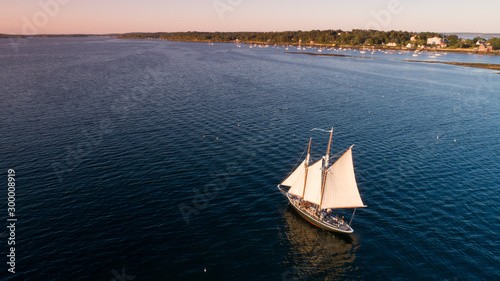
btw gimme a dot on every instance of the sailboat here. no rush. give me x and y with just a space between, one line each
317 188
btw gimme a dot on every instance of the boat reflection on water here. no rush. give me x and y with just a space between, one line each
316 254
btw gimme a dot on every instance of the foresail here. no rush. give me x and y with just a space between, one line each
296 180
341 190
313 185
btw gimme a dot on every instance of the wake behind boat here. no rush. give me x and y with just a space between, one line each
316 189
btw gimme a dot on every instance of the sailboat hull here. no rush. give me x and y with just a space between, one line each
314 220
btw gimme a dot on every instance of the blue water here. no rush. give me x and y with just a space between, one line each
159 160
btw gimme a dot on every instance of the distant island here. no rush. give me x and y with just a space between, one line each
356 38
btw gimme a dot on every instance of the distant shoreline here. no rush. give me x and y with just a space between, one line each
354 39
312 44
367 48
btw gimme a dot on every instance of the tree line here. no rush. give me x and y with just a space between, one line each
356 37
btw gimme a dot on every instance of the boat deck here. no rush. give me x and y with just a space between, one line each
325 219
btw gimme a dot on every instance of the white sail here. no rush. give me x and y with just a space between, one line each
313 184
341 190
296 180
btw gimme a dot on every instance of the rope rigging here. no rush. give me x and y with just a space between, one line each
297 163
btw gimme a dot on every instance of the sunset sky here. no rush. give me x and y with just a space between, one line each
106 16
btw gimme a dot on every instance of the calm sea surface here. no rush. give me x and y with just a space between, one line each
159 160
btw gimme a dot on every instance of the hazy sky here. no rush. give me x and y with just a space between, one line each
106 16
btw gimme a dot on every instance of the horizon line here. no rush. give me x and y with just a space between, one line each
118 33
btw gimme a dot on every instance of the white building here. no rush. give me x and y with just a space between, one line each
392 44
435 41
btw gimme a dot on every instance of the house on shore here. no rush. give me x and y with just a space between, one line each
485 48
436 41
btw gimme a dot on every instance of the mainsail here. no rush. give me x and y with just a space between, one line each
341 190
313 184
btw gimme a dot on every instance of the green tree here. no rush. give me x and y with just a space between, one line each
495 43
474 41
453 39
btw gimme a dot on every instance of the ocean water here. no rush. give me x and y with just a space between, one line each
158 160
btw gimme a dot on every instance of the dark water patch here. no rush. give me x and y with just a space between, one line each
111 139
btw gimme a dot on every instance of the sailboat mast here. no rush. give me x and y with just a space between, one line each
328 150
325 166
307 165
